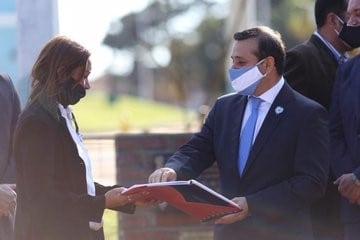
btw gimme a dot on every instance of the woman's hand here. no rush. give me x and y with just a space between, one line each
116 198
7 199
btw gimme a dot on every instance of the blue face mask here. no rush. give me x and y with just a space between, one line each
245 80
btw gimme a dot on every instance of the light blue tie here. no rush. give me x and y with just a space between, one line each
247 134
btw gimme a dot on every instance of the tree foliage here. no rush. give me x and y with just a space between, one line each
195 73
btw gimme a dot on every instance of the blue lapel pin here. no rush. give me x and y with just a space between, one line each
279 110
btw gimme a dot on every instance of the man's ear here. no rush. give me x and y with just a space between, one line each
269 64
332 20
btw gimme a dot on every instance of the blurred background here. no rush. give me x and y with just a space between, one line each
157 65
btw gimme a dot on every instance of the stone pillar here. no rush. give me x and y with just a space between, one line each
37 22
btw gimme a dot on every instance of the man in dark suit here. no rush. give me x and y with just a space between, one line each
10 109
310 69
311 66
344 126
287 166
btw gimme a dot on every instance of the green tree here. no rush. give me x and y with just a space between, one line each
197 56
293 19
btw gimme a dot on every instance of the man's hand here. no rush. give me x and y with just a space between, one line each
163 175
348 188
7 200
231 218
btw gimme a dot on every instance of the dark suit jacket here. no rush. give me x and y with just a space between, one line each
52 194
286 170
310 69
345 129
10 109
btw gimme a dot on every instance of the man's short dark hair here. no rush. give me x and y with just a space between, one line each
324 7
269 44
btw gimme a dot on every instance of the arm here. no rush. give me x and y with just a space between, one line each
114 202
6 120
40 153
344 139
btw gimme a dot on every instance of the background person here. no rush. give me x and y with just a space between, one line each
310 69
344 123
10 109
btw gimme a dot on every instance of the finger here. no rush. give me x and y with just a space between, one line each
231 218
155 177
165 176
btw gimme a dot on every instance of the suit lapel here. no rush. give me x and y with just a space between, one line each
276 114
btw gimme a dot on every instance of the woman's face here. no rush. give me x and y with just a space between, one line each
81 77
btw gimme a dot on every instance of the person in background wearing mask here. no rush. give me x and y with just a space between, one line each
344 127
57 196
310 69
270 143
10 109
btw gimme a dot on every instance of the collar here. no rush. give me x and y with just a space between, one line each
335 52
270 95
65 112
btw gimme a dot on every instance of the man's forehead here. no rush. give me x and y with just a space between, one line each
245 47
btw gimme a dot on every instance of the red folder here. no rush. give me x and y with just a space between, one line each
191 197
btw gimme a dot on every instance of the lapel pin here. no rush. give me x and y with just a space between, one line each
279 110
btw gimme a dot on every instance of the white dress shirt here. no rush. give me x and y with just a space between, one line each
267 98
83 153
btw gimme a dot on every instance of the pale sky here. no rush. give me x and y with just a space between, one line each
87 21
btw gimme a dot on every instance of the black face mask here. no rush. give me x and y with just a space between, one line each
70 95
350 35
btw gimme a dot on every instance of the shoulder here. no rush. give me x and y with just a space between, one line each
306 106
229 97
300 101
35 114
5 82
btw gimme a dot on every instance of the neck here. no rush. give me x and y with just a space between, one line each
267 83
332 37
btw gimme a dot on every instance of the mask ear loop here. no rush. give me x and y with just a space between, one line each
342 23
260 62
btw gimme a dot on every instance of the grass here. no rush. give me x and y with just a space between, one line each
96 113
110 225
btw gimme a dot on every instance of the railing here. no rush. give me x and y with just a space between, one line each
101 149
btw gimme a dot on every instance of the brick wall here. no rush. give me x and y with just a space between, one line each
136 157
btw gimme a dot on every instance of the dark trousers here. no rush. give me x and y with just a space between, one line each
352 231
